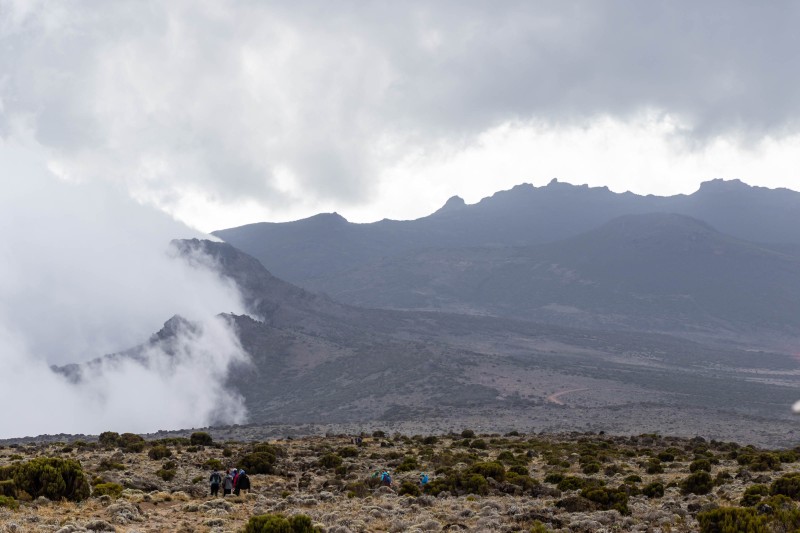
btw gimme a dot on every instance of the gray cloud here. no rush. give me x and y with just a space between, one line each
224 99
85 271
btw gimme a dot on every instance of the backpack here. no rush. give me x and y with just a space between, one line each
216 479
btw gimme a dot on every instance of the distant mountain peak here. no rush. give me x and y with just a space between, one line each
452 204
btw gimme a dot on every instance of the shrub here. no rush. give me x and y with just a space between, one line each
654 467
108 439
571 483
11 503
157 453
700 464
409 463
227 452
8 488
131 443
608 499
330 460
347 451
275 523
666 456
108 464
467 434
591 468
51 477
107 489
410 488
554 478
214 464
258 463
519 470
653 490
201 438
166 474
697 483
429 441
731 520
493 470
787 485
753 495
633 478
479 444
358 489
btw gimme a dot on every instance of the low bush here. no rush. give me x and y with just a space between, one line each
753 495
166 474
159 452
9 503
698 483
113 490
608 499
275 523
409 488
51 477
347 451
700 464
201 438
653 490
787 485
258 463
330 460
492 469
731 520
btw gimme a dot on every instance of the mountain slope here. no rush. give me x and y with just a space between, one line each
654 272
525 215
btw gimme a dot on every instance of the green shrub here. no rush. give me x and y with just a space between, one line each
787 485
753 495
157 453
519 470
697 483
275 523
571 483
8 502
467 434
608 499
653 490
108 439
8 487
479 444
214 464
410 488
108 464
554 477
166 474
258 463
227 452
654 467
666 456
347 451
700 464
51 477
358 489
409 463
107 489
430 440
492 469
633 478
131 443
330 460
201 438
731 520
591 468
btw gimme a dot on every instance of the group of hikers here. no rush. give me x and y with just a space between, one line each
386 478
234 482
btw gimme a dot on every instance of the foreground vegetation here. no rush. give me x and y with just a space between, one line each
513 482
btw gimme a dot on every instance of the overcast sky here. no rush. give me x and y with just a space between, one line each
223 113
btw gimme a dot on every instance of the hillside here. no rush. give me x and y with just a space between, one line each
326 244
332 363
476 482
654 272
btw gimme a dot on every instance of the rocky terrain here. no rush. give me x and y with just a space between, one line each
488 482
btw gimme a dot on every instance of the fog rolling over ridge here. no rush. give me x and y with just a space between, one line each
85 271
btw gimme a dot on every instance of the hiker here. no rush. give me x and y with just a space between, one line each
386 479
423 479
235 477
215 480
227 486
242 483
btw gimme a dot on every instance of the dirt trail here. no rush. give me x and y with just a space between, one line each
554 398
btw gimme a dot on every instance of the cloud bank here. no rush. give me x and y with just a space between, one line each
261 107
85 271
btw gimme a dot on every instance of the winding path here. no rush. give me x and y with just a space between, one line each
554 398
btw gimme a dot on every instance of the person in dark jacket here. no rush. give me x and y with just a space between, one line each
215 480
242 483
